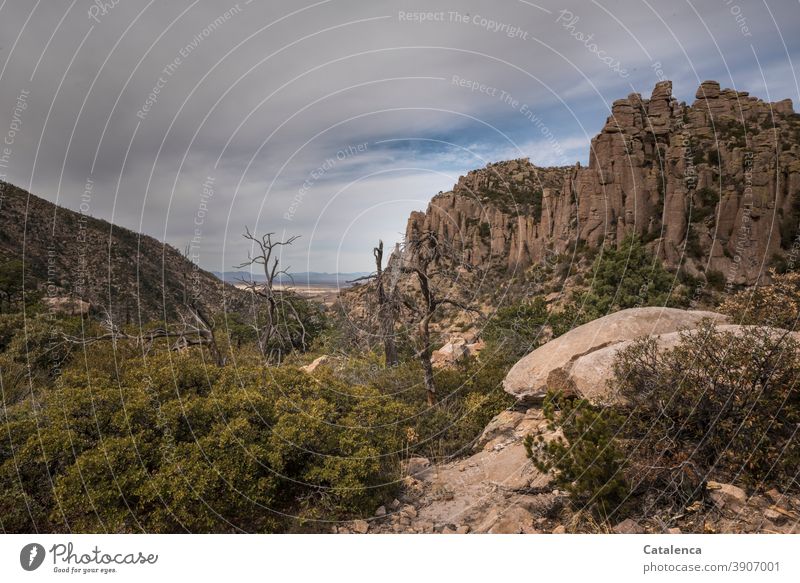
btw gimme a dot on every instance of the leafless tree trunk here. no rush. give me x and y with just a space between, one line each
432 262
278 309
386 315
387 308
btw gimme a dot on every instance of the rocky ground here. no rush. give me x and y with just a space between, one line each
497 490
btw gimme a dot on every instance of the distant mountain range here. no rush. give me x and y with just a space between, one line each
302 279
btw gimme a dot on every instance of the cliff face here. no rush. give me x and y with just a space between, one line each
712 186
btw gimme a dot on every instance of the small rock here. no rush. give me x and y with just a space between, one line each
775 496
415 465
774 516
779 516
628 526
560 529
673 531
410 511
395 504
463 529
360 526
695 506
726 495
448 530
381 511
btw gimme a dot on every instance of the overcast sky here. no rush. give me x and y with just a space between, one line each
334 119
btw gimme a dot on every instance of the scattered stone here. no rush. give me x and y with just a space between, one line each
410 511
695 506
673 531
629 526
360 526
774 516
560 529
726 496
395 504
463 529
415 465
775 496
514 520
381 511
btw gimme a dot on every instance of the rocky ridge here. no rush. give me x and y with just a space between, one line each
711 186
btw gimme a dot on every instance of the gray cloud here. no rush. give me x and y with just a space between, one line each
148 100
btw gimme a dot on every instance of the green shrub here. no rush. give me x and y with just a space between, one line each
174 445
587 462
626 277
536 205
519 328
775 304
719 404
716 279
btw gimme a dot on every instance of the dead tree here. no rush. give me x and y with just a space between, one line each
274 335
435 265
195 329
386 297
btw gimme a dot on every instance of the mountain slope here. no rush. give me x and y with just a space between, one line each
133 276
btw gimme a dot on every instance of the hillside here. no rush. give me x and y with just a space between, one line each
710 187
70 254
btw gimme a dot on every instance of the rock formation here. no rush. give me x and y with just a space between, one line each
711 186
573 359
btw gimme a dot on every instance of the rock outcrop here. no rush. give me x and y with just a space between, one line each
581 359
712 186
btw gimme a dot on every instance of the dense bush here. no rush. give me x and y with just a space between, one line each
720 403
11 284
775 304
587 462
174 445
517 329
628 276
114 442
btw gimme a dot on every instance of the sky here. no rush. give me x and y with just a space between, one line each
334 119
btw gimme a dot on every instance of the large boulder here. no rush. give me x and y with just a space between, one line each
589 375
582 358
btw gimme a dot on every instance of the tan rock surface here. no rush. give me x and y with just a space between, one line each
529 378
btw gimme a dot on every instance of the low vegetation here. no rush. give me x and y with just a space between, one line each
720 405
